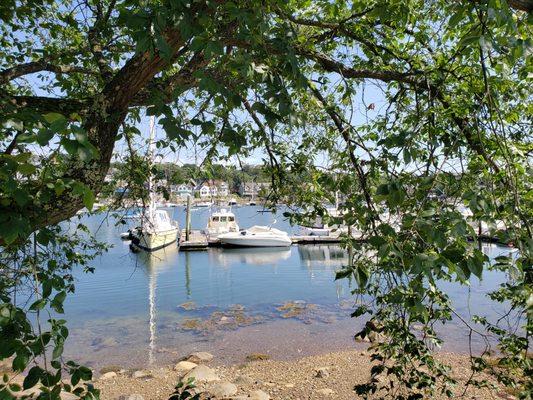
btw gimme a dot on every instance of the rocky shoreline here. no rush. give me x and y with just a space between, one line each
325 376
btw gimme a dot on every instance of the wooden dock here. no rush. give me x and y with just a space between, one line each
198 240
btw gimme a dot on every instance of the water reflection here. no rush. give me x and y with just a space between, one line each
249 256
323 256
154 263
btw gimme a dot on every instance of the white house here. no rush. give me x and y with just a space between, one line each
252 189
223 189
204 190
212 188
182 190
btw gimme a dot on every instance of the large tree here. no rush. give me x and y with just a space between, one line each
451 89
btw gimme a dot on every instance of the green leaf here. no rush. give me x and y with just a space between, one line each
34 374
58 350
343 273
53 117
26 169
20 361
21 197
88 199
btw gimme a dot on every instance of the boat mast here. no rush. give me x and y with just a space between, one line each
150 165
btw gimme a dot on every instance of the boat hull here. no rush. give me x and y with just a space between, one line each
154 241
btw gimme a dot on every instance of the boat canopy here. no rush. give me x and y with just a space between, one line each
160 221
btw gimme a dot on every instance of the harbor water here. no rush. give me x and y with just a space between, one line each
138 309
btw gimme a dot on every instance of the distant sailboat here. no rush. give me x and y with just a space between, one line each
157 230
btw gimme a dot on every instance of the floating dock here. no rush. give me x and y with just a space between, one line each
198 240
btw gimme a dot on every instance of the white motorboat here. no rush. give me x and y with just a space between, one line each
204 204
157 229
256 236
221 222
232 202
315 231
319 228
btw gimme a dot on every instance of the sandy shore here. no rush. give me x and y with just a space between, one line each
337 375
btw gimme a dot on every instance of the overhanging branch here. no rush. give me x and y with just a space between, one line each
39 66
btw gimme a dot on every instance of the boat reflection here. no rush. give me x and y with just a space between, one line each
155 262
249 256
322 255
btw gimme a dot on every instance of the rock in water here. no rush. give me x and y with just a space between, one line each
200 357
101 343
202 373
184 366
223 390
258 395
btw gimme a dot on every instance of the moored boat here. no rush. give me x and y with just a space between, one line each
256 236
220 222
157 229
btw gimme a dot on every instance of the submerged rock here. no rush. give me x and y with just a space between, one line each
101 343
200 357
202 373
257 357
188 306
223 390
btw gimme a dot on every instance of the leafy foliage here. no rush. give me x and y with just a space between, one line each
410 110
184 390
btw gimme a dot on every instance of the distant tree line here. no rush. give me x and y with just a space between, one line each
177 174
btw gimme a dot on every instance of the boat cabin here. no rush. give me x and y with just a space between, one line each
222 221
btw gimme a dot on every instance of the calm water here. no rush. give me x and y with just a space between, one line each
154 308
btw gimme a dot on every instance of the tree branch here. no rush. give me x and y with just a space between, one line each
38 66
522 5
44 105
